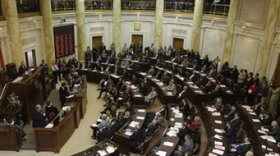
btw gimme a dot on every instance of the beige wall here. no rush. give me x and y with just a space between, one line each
253 11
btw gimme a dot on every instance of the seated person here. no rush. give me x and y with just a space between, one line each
208 87
219 105
157 119
137 138
196 142
186 148
241 148
265 117
171 86
105 85
275 131
194 125
152 71
235 122
151 96
231 114
38 117
99 126
230 133
50 109
165 78
144 88
194 77
183 93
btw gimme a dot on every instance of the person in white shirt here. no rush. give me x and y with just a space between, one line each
151 96
55 71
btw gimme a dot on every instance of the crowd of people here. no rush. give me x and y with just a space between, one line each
248 87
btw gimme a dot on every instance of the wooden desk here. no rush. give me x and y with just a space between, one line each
52 139
109 147
121 138
9 138
252 127
212 126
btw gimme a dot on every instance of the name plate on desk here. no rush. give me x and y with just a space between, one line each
167 143
161 153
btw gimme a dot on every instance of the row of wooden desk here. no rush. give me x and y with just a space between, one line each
261 143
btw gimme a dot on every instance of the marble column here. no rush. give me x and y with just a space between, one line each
232 17
158 24
196 27
269 35
46 11
117 25
81 32
9 9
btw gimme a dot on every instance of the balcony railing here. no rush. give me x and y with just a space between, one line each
27 6
63 5
98 4
216 9
179 6
138 4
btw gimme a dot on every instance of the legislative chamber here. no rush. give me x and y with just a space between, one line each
140 77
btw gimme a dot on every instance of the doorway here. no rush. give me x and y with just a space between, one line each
30 58
136 39
96 42
177 44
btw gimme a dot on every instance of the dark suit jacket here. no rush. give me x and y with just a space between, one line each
63 93
38 119
241 149
22 70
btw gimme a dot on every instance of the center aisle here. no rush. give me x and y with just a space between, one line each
81 138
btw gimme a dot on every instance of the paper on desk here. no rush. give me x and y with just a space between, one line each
272 154
110 149
256 120
218 130
70 96
263 147
218 137
262 132
252 113
137 95
169 93
217 151
218 143
216 114
99 120
211 154
220 147
171 119
102 153
50 125
270 139
140 117
128 133
94 125
218 122
141 110
167 143
161 153
142 73
264 129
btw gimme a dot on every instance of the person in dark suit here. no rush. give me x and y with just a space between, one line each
137 138
241 148
39 119
231 133
22 68
63 93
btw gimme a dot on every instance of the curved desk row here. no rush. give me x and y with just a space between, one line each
52 139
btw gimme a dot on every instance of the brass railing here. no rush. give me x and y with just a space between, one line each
138 4
179 6
63 5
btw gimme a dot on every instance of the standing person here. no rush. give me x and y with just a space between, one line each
22 69
63 93
274 99
55 71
